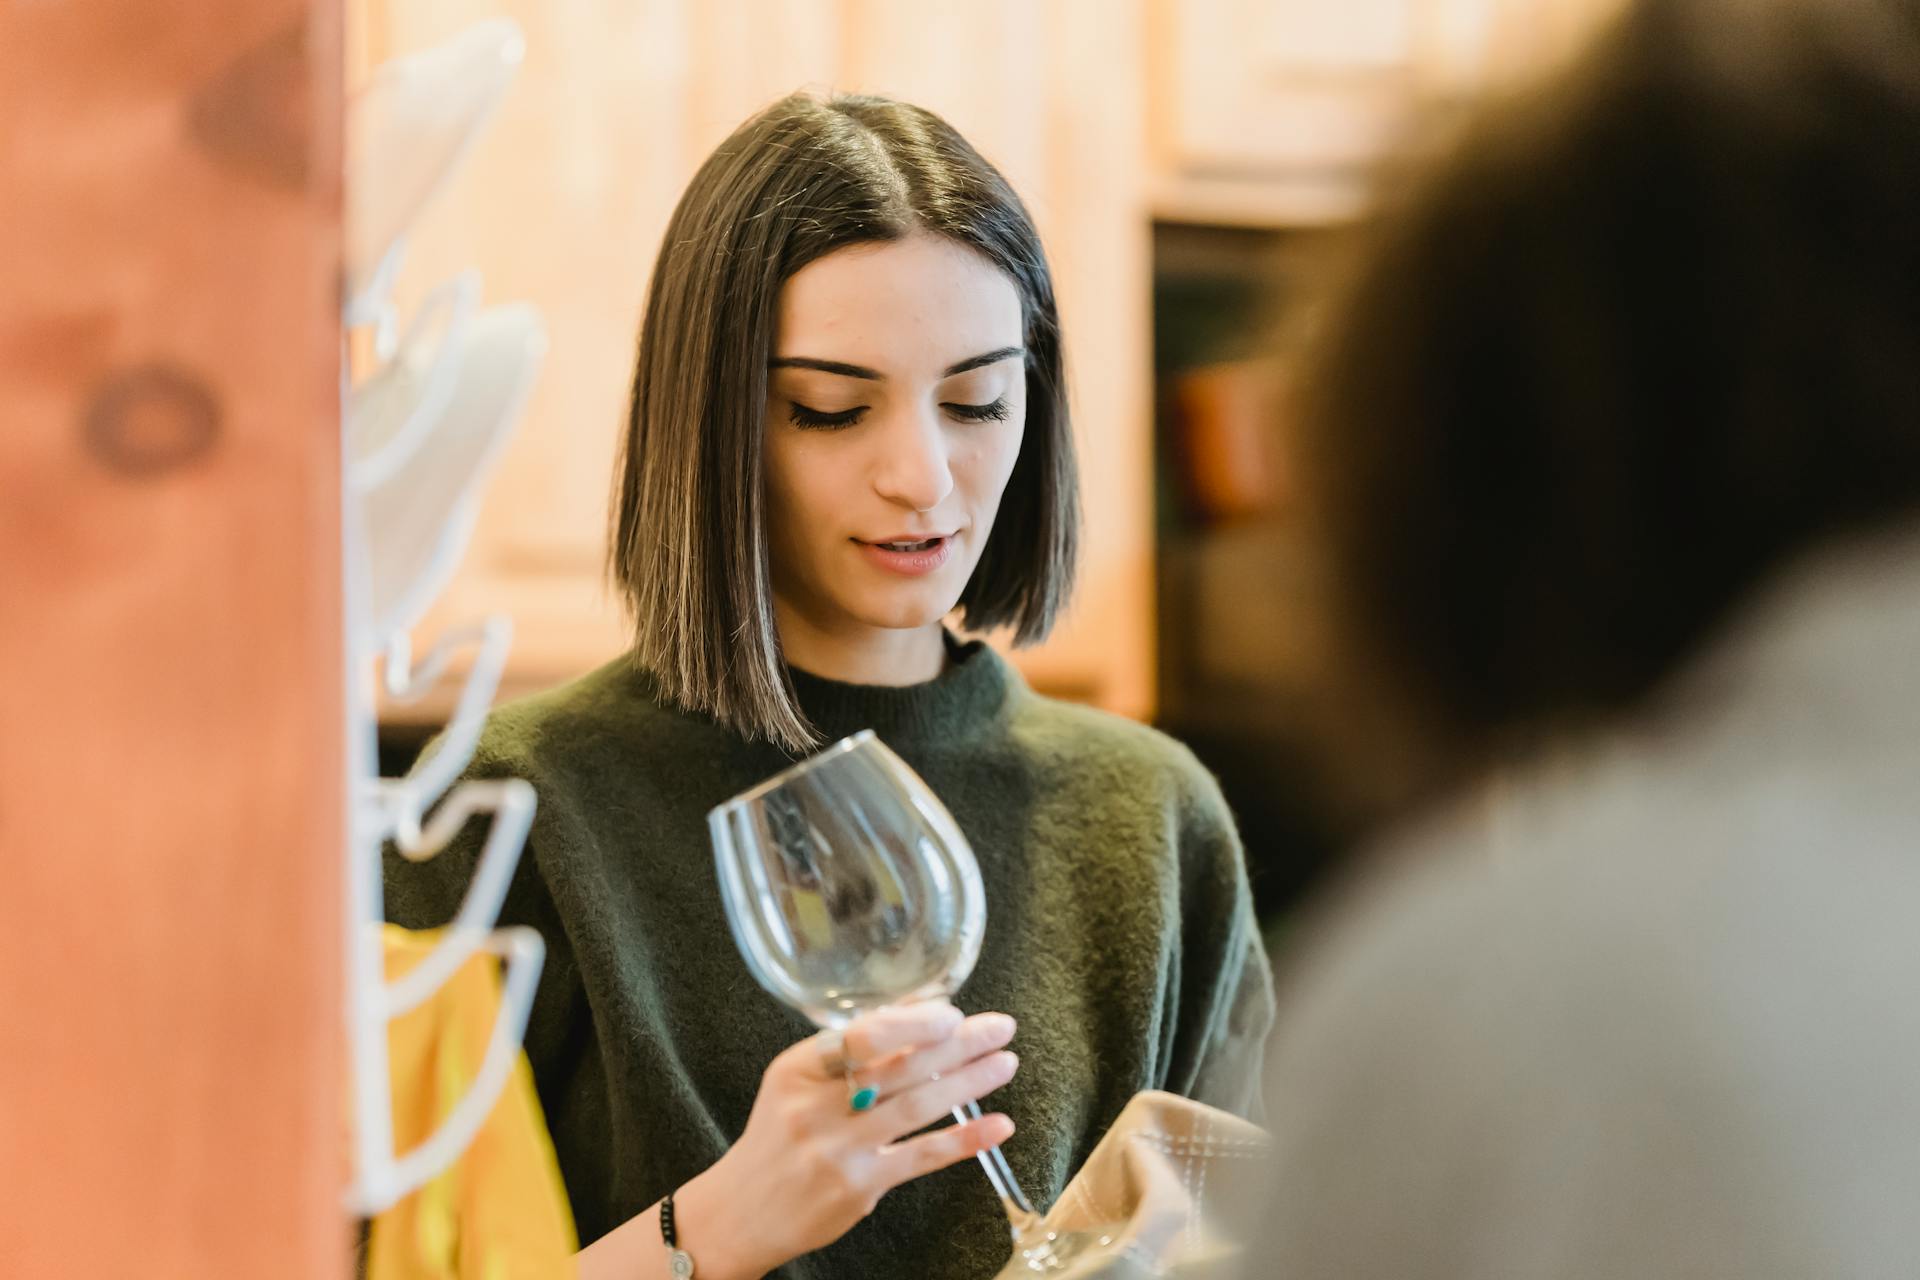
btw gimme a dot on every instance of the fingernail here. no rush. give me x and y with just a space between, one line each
1008 1062
997 1027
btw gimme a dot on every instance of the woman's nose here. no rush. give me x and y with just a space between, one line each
913 469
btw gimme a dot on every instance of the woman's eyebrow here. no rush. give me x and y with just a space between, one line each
870 375
824 366
980 361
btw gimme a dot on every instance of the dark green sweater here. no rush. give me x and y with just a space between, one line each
1119 933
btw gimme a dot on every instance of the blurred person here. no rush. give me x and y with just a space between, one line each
1613 443
849 418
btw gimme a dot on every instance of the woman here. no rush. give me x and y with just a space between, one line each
848 419
1616 438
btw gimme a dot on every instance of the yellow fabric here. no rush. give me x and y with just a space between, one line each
500 1211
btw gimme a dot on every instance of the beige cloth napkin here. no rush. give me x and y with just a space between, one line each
1169 1186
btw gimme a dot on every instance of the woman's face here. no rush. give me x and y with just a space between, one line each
895 407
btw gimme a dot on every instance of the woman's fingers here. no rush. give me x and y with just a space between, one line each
879 1035
978 1035
915 1157
922 1105
813 1166
883 1032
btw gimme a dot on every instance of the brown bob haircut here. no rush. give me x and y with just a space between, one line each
689 549
1649 332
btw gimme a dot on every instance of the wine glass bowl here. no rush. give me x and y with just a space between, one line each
848 886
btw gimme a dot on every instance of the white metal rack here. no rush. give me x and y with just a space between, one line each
421 433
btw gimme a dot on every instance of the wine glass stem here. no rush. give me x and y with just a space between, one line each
1020 1215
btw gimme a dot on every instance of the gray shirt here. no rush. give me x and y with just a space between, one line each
1653 1009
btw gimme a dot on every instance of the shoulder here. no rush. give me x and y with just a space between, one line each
1415 998
600 720
1072 740
1633 909
1071 733
1445 906
1608 957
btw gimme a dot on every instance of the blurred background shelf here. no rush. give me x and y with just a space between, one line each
1239 633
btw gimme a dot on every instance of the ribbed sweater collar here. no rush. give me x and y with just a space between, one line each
961 701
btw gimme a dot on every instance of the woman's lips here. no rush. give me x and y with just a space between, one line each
909 557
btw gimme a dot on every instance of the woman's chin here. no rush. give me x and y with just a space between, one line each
906 611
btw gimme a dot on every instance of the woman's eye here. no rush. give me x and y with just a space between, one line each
995 411
815 420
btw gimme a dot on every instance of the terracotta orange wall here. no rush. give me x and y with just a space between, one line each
170 720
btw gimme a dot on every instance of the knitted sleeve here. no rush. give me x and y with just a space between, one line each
1226 1001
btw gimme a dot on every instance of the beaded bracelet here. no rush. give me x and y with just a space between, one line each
679 1261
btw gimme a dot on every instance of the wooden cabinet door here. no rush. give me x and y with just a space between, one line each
1273 88
1276 112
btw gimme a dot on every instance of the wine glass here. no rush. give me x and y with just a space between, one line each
848 887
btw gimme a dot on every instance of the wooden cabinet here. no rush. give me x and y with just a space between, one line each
564 202
1274 112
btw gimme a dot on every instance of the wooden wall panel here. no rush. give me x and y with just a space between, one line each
170 691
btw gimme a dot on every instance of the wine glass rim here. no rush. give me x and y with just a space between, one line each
796 770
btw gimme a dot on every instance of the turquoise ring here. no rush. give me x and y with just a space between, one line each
861 1097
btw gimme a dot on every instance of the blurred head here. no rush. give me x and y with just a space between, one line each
848 398
1650 331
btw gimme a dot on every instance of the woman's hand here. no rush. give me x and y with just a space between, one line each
808 1167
